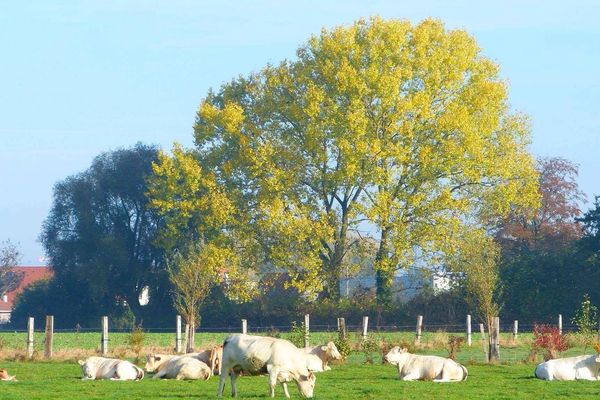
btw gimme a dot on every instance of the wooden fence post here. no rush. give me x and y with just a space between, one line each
494 351
30 325
342 328
560 324
178 334
306 330
469 334
49 336
104 338
515 329
244 326
365 327
419 328
483 345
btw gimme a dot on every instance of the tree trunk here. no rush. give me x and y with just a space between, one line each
191 334
384 277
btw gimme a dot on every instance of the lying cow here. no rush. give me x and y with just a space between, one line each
110 368
4 376
319 356
571 368
416 367
178 367
278 358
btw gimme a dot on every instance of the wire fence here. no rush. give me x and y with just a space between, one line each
421 337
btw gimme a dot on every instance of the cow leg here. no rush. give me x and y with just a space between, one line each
410 377
285 389
222 378
233 376
273 372
159 374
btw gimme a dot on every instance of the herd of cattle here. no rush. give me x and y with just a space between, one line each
283 362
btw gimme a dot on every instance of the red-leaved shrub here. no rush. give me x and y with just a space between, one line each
549 339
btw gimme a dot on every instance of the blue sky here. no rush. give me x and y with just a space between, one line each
81 77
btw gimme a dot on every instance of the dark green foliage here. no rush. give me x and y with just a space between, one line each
99 237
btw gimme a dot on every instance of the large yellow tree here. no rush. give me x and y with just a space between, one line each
382 127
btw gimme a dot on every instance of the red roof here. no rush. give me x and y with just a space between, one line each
30 275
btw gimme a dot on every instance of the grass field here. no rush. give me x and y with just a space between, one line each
353 380
512 379
61 379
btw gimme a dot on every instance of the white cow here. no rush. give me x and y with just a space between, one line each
416 367
211 357
110 368
177 367
319 356
278 358
571 368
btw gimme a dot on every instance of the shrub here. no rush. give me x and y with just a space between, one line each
343 346
297 334
136 341
369 346
549 339
454 345
586 318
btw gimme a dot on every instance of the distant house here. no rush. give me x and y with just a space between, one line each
30 275
406 283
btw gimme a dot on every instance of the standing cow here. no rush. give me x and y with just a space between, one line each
416 367
278 358
570 368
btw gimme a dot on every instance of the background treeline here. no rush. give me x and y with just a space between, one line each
546 265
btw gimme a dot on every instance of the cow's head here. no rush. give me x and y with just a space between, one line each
331 350
88 369
152 362
396 355
306 384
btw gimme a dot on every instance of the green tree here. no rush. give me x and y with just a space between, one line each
381 125
100 237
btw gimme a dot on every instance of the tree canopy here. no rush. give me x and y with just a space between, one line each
99 237
382 127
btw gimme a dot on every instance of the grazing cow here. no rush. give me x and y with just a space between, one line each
571 368
177 367
416 367
110 368
319 356
4 376
255 355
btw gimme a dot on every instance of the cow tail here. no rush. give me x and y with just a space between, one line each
465 373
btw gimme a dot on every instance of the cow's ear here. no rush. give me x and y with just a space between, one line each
404 350
324 348
81 362
156 358
311 376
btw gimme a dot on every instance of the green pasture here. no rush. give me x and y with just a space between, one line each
352 380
